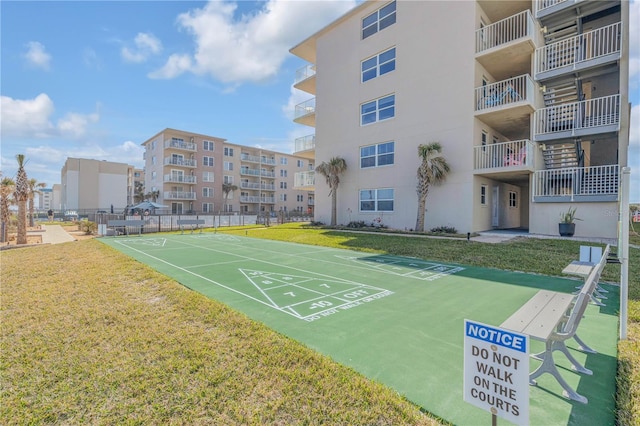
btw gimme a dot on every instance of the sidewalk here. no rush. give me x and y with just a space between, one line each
55 234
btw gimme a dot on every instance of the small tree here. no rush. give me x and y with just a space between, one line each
433 170
332 172
34 188
6 188
226 189
21 195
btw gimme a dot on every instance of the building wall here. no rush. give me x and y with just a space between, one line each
92 184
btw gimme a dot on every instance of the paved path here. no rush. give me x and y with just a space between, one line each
55 234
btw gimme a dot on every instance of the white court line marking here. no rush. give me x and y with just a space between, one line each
275 305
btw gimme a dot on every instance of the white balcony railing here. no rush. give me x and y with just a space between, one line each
504 154
179 195
305 108
305 143
505 92
180 179
250 172
304 73
247 157
542 7
590 113
505 31
184 162
256 199
574 182
180 144
579 49
302 179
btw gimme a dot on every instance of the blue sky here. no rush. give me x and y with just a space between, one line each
95 79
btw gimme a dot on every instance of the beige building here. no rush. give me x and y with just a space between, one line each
529 100
89 185
190 170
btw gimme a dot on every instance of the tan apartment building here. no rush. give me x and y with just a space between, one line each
190 170
529 100
88 185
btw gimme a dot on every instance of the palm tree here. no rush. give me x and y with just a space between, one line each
432 171
332 172
21 195
6 188
153 195
226 189
33 190
138 193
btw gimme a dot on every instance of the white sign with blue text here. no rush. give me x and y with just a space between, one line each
496 371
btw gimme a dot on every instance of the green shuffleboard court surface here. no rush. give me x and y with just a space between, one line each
396 320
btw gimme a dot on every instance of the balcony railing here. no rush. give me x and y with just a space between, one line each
257 186
504 92
572 117
179 195
543 7
178 144
576 183
256 199
254 172
577 50
302 179
180 179
257 159
505 31
184 162
504 154
305 108
304 73
305 143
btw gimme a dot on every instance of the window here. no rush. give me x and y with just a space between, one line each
283 197
378 110
153 160
483 195
228 152
153 175
228 165
283 173
484 141
379 20
513 199
208 145
207 177
207 207
283 185
207 192
379 65
300 163
283 161
153 144
207 161
376 200
227 179
377 155
300 198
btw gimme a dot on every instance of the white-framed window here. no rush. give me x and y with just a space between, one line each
379 20
207 207
153 160
228 152
483 195
300 198
376 200
513 199
230 195
153 175
228 165
283 185
380 64
227 179
300 163
283 173
153 144
381 154
283 197
207 192
483 140
378 110
207 161
283 161
207 176
208 145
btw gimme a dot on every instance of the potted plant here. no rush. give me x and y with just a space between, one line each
567 225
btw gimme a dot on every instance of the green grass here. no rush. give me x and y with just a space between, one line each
89 335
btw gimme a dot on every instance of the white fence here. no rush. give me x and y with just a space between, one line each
577 181
505 31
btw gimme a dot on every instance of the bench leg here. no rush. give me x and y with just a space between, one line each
548 366
560 346
583 346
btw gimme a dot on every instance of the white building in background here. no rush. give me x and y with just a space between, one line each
529 100
45 199
56 197
89 185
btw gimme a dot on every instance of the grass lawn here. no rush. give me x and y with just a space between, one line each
89 335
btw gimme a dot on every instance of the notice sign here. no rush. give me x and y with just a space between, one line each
496 371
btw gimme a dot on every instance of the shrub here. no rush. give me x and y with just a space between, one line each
444 230
89 228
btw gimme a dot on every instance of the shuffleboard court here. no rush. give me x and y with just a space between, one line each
394 319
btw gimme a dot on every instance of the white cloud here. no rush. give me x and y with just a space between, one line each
75 125
252 47
146 45
36 55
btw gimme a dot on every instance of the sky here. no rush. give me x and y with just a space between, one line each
94 79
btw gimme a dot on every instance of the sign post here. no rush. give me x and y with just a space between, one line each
496 371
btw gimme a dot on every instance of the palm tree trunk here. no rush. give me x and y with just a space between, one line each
31 211
334 207
22 223
421 212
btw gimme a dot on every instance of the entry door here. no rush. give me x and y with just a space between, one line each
176 208
495 207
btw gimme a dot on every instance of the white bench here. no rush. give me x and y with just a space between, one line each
553 318
590 257
194 223
125 225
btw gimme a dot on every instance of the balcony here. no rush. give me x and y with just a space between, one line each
504 156
551 9
588 117
257 159
255 172
257 186
182 162
305 146
179 195
306 79
304 180
180 145
504 48
575 184
507 105
256 199
305 113
180 179
583 52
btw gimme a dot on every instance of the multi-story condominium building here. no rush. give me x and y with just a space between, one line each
89 185
196 173
45 199
529 100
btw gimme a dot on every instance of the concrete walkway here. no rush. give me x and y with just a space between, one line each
55 234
